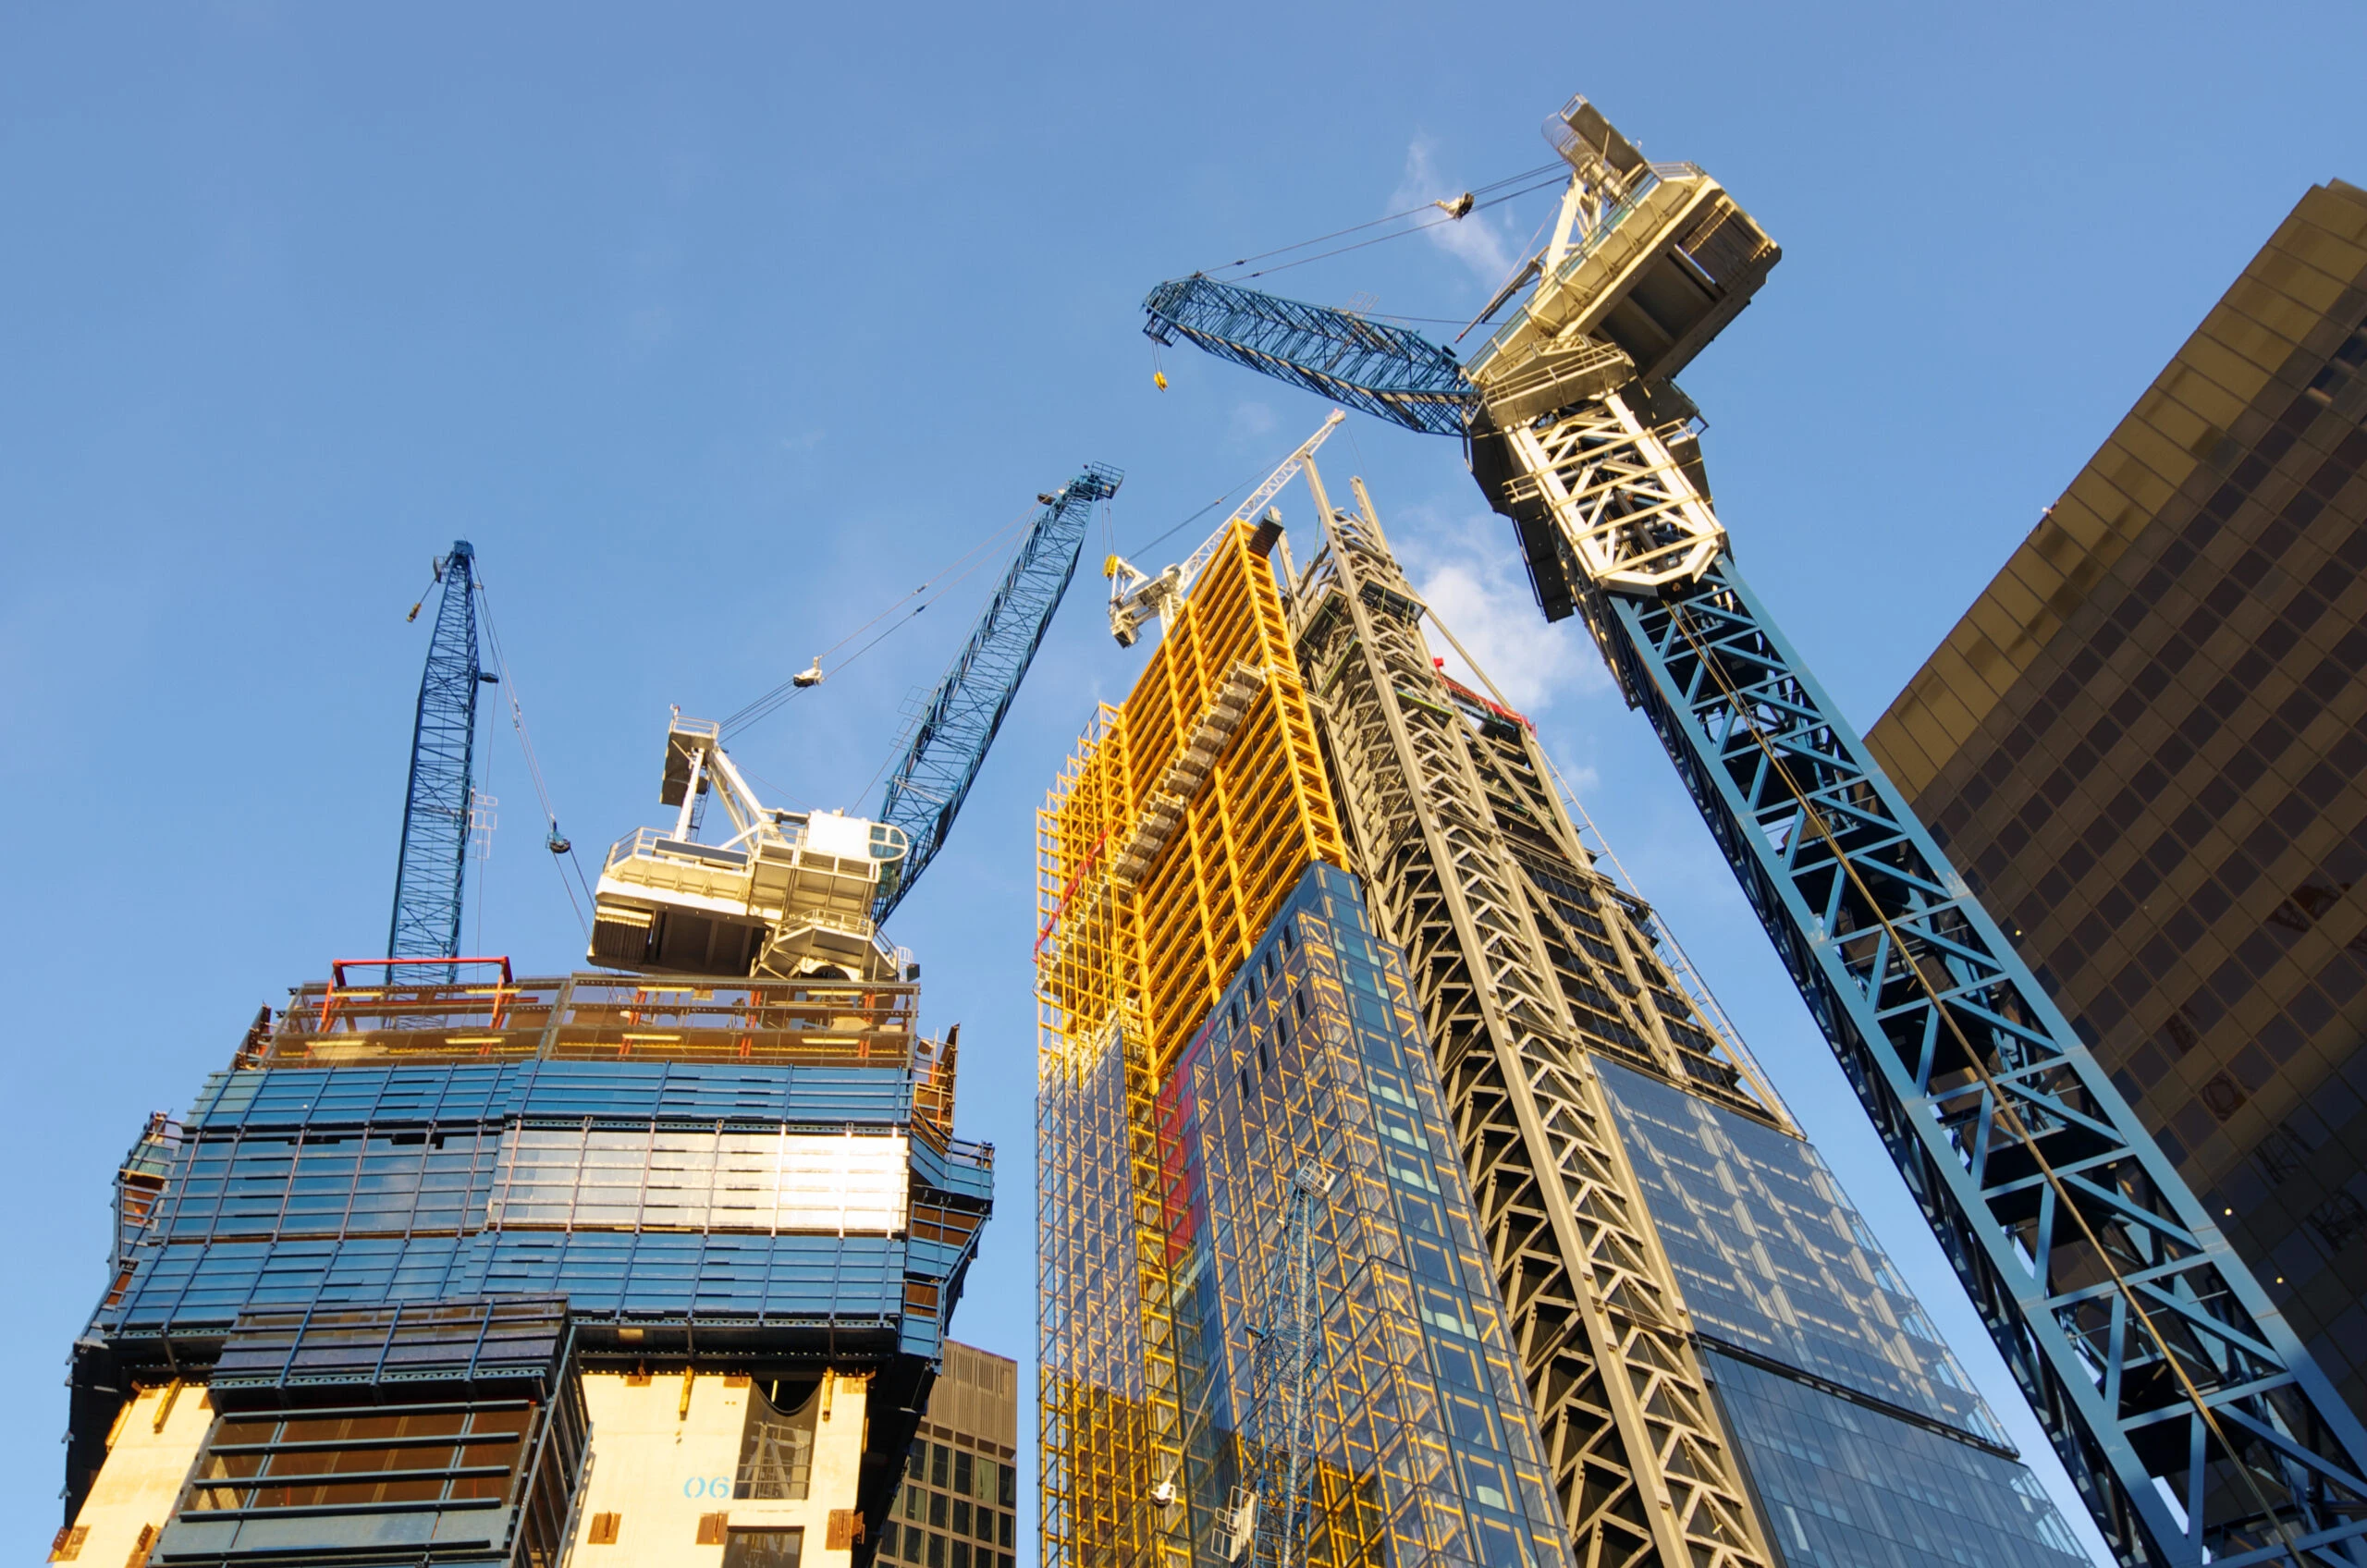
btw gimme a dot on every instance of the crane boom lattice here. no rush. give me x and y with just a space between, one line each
956 726
431 866
1384 370
2193 1421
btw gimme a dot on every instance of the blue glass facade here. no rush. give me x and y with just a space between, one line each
296 1187
1866 1444
752 1181
1428 1449
1844 1486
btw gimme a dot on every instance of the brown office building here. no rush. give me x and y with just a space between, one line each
959 1505
2146 745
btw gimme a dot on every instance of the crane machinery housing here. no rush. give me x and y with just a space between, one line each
794 893
2190 1417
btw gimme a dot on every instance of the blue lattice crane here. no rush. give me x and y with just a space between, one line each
2188 1414
433 859
956 726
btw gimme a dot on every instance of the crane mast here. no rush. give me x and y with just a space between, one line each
432 863
2191 1419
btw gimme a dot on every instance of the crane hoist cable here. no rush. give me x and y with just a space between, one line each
1526 176
559 845
947 577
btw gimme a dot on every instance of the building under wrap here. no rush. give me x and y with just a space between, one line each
1586 1292
477 1273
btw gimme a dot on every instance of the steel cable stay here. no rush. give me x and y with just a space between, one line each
556 843
1525 176
1415 228
946 577
2000 1103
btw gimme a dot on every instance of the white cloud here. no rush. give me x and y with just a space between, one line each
1471 575
1471 239
1251 420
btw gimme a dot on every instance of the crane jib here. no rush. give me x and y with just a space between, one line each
957 726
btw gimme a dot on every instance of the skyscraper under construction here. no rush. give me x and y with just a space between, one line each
450 1267
1317 922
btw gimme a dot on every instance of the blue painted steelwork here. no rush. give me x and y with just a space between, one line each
2185 1409
290 1187
429 870
2190 1417
1387 370
949 739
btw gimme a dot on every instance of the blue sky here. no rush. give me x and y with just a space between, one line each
715 331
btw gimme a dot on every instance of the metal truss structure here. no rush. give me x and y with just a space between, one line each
2186 1410
1158 866
2192 1420
1389 370
1521 963
1289 1358
430 868
956 727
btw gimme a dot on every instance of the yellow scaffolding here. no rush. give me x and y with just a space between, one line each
1165 847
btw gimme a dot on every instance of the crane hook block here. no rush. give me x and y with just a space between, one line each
810 676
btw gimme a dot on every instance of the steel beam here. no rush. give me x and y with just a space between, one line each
1643 1470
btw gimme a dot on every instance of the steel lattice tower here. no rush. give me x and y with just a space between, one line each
433 859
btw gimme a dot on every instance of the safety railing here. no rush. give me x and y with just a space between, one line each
1594 240
597 1017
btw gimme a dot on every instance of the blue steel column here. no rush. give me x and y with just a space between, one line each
2148 1349
434 858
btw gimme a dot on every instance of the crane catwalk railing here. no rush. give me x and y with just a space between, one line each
2183 1406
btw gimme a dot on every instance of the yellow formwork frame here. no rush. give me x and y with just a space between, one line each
1126 969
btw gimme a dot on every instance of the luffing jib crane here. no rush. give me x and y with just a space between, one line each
794 894
433 862
958 723
2188 1414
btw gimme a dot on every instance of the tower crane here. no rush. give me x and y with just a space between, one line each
432 861
957 724
1136 595
2190 1417
797 894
